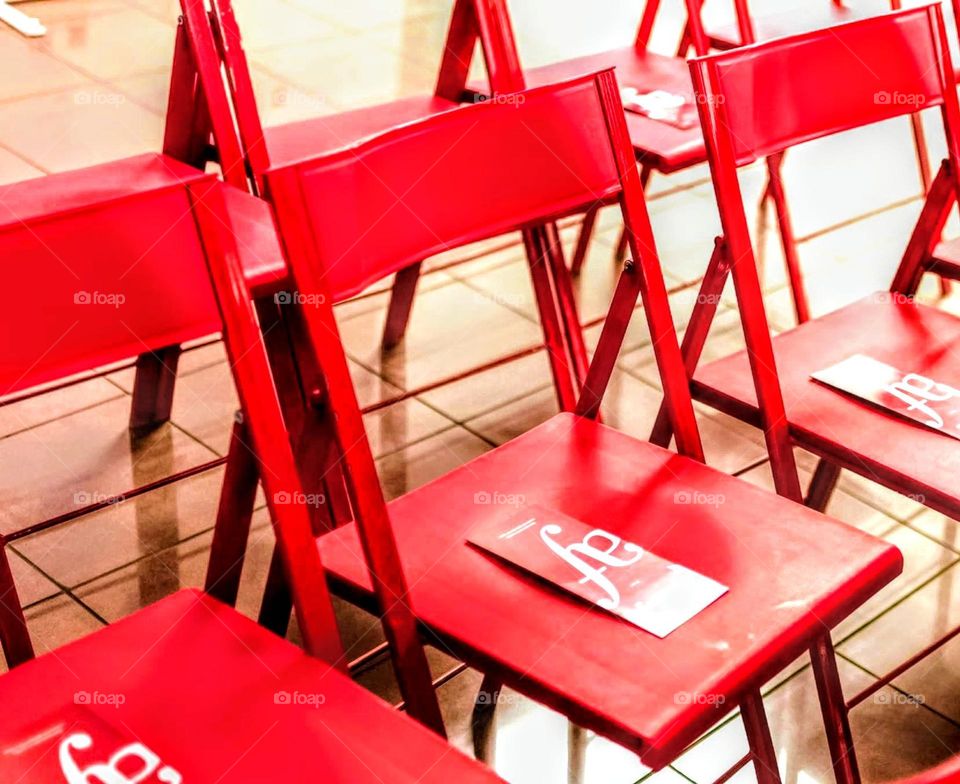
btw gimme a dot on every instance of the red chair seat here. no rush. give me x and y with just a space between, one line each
812 15
219 698
309 138
663 146
790 571
830 423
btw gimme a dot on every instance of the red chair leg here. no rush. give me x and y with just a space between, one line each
583 240
14 636
758 735
401 303
156 374
832 706
482 721
787 239
695 335
567 303
822 485
622 243
232 530
277 601
538 251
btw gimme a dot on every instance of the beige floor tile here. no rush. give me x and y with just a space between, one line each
58 621
94 544
121 43
48 406
348 71
85 458
80 127
416 465
13 168
452 329
35 70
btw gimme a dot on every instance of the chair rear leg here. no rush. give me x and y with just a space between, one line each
822 485
758 735
156 374
401 303
482 721
788 241
14 636
232 530
277 600
567 304
583 240
836 719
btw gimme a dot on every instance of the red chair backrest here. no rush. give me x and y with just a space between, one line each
470 174
455 178
101 266
761 99
893 64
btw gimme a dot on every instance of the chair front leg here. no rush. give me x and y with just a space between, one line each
14 636
401 304
836 719
156 374
761 742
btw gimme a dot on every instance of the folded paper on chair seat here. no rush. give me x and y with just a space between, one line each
663 106
917 396
77 746
600 567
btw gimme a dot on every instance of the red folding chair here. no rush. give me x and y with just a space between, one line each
769 384
202 105
188 689
792 572
665 144
947 773
124 291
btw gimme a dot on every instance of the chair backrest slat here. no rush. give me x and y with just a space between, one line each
400 197
885 63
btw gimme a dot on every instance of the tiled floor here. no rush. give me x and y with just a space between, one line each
95 89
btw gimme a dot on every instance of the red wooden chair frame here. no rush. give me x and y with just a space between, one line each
910 54
206 245
598 167
202 105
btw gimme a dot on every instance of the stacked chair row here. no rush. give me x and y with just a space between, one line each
310 214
